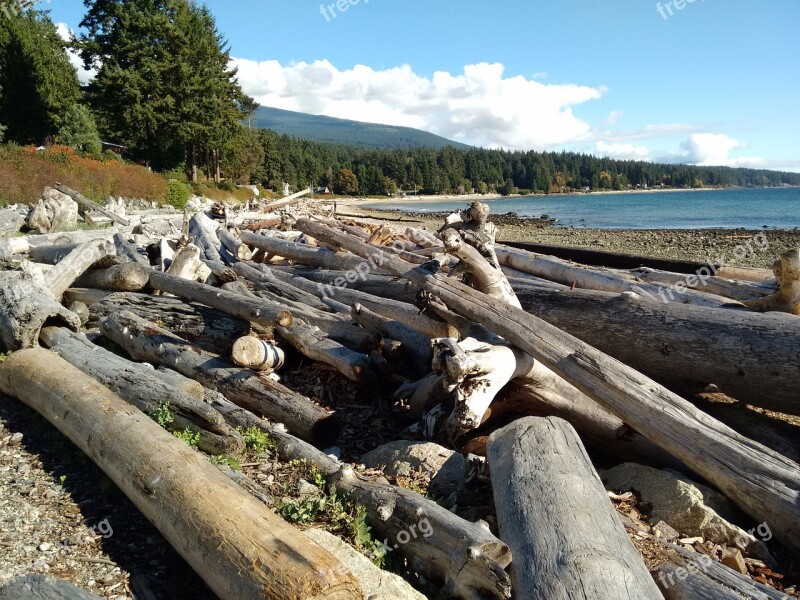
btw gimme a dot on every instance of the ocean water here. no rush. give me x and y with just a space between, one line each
777 208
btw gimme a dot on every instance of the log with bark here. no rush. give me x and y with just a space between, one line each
764 484
147 342
141 387
210 329
555 515
750 356
86 203
240 549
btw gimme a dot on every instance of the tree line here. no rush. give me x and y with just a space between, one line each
352 170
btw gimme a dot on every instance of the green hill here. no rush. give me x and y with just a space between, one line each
342 131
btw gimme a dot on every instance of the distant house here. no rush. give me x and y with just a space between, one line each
322 191
408 193
116 148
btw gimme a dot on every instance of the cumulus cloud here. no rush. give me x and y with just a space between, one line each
622 151
84 75
481 106
714 149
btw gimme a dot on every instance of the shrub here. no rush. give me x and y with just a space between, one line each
177 194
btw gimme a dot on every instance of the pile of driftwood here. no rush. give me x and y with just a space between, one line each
525 358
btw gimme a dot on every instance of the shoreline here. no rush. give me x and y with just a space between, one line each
726 245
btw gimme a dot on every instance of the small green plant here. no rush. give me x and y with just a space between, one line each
62 479
163 415
224 459
362 535
177 194
255 440
190 436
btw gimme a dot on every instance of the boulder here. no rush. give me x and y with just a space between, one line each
376 584
10 222
400 458
41 587
691 508
54 212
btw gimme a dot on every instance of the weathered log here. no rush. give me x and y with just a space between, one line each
307 255
127 277
221 272
554 513
128 251
25 305
204 232
11 246
763 483
146 341
705 281
287 201
208 328
376 284
241 549
86 203
254 310
580 276
186 264
234 245
70 237
139 386
40 587
261 275
683 347
253 353
787 299
70 268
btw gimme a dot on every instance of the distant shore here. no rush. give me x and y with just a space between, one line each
702 245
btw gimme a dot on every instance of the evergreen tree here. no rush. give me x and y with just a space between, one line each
79 130
242 156
163 85
346 183
39 85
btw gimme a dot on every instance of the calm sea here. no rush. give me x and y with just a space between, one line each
746 208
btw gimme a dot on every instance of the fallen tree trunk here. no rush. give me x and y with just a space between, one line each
70 268
750 356
764 484
234 245
554 513
208 328
254 310
307 255
416 345
148 342
574 275
705 281
375 284
204 232
10 247
127 277
241 549
86 203
139 386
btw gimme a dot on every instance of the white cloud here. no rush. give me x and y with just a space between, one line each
613 117
84 75
622 151
480 106
714 149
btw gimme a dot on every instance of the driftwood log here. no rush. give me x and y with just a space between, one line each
240 549
554 513
147 342
75 264
204 232
234 245
307 255
763 483
41 587
141 387
186 264
787 298
750 356
129 252
126 277
86 203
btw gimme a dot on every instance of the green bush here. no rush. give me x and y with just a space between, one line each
177 194
111 155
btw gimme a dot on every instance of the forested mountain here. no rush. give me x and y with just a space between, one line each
456 170
341 131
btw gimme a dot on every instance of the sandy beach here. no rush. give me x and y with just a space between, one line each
705 245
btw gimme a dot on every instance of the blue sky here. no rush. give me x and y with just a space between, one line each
717 82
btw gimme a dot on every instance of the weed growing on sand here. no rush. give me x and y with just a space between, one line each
256 440
224 459
164 416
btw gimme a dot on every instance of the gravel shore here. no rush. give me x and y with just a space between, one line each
721 246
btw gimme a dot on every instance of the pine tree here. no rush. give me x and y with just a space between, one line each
80 131
39 85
